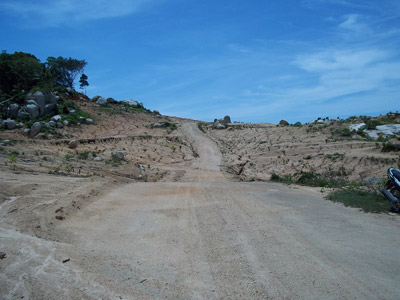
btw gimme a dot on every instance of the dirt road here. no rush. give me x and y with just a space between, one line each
208 238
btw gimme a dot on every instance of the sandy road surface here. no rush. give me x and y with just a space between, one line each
207 238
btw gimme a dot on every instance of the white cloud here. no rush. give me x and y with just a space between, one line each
54 13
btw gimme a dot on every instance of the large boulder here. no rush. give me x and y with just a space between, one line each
35 129
9 124
130 103
12 110
219 126
23 114
49 108
111 100
42 99
118 155
101 101
33 110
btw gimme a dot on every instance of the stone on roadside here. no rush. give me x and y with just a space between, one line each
89 121
73 144
35 129
101 101
9 124
118 155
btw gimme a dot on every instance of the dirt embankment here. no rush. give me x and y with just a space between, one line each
254 152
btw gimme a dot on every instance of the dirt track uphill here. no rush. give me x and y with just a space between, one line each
206 237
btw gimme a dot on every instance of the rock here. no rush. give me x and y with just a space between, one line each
219 126
111 100
70 90
71 110
320 122
130 103
391 145
12 110
42 99
97 158
118 155
161 125
156 112
23 114
389 129
20 125
65 122
227 120
35 129
56 118
52 123
33 111
31 101
9 124
49 108
356 127
94 99
59 125
89 121
26 131
73 144
101 101
284 123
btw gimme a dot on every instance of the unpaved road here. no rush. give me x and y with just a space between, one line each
208 238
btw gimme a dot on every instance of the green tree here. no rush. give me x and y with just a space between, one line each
83 82
19 71
63 71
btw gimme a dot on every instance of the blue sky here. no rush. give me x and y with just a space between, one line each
258 61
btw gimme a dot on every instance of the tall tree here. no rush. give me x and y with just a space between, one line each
83 82
63 71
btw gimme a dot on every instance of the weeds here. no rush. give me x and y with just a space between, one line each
368 201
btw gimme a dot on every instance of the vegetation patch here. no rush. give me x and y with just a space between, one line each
308 179
368 201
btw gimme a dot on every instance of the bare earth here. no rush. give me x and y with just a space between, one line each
196 233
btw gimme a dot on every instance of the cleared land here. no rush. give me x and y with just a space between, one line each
194 234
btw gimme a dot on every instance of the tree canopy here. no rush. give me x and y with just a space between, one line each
23 71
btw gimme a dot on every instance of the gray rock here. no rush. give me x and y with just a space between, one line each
65 123
101 101
73 144
9 124
30 101
20 125
97 158
26 131
130 103
389 129
35 129
43 99
71 110
161 125
94 99
12 110
49 108
227 120
33 111
118 155
356 127
52 123
59 125
89 121
56 118
219 126
23 114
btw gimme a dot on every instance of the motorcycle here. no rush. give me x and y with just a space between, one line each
392 190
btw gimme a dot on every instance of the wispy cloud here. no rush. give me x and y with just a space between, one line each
45 13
